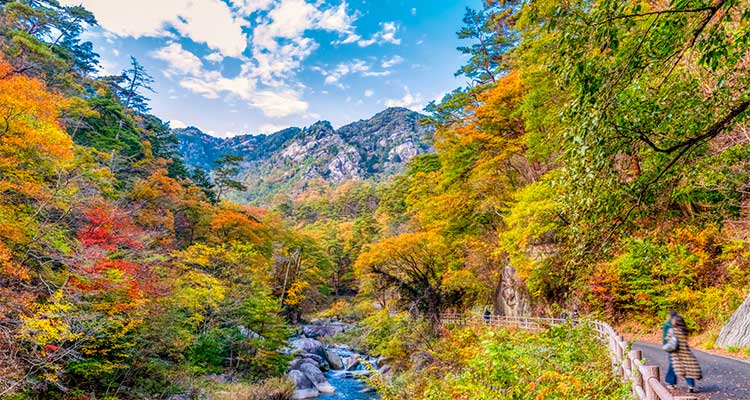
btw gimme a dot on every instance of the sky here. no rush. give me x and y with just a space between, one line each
233 67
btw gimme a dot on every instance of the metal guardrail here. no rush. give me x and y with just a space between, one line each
629 364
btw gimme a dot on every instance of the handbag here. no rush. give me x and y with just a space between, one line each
671 344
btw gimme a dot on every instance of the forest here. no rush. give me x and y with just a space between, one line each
597 161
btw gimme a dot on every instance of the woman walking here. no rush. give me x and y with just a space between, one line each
682 361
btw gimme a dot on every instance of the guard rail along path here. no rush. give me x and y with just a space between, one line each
644 379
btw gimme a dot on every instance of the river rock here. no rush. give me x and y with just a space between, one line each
307 345
353 362
736 333
318 359
304 387
334 360
316 377
322 329
296 364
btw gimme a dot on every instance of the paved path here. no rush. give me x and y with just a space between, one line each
723 378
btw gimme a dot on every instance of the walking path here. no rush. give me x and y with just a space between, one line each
724 378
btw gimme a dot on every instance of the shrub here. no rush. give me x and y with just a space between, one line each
475 363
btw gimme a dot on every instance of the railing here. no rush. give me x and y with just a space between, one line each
629 364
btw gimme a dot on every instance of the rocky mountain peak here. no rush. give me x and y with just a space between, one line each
319 130
285 161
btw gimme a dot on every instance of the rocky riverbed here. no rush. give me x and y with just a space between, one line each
329 371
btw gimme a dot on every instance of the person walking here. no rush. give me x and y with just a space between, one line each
682 361
487 315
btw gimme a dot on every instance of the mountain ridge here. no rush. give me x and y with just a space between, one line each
284 161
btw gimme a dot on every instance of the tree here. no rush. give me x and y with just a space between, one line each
203 181
492 30
228 167
43 39
130 85
418 266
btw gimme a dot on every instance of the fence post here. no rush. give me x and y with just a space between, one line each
626 369
651 371
635 361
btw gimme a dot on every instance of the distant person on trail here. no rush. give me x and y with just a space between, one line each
682 362
487 315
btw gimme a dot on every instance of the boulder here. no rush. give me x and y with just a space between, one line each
320 361
220 378
307 345
248 333
304 388
296 364
353 362
316 377
736 333
322 329
334 360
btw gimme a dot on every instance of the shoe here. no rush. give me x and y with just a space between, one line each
692 390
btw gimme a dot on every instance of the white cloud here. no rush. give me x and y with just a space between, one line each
409 100
386 35
376 73
395 60
214 57
369 93
177 124
180 61
270 128
269 37
356 66
204 21
279 46
280 103
248 7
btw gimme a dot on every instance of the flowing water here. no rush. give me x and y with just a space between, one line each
348 386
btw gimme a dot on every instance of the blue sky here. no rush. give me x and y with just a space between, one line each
256 66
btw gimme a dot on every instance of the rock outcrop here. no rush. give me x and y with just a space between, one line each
736 333
512 297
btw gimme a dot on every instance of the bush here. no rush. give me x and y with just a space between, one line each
476 363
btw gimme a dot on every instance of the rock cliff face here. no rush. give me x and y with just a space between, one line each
736 333
288 161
